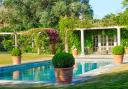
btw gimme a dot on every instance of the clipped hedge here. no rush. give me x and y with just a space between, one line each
118 50
63 60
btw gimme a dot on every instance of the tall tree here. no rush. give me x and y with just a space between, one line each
86 10
24 14
67 10
125 3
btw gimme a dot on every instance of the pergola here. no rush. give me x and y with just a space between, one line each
11 33
21 33
118 28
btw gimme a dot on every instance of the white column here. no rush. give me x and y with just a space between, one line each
16 44
115 41
118 36
107 48
99 43
82 42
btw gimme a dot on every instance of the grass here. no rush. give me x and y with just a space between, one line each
116 79
6 58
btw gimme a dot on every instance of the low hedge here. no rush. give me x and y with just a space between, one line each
63 60
118 50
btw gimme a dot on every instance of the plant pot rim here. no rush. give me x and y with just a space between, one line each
16 56
118 54
64 68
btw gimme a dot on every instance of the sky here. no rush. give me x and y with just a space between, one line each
103 7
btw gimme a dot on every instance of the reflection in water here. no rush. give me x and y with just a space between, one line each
46 72
82 67
16 75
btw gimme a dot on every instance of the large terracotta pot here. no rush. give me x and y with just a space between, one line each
118 59
63 75
16 60
75 52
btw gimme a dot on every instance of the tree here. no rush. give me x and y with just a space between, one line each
66 25
72 7
69 11
24 14
125 3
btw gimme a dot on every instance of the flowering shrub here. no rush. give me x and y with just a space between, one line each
53 35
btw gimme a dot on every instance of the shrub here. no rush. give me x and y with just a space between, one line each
63 60
16 52
118 50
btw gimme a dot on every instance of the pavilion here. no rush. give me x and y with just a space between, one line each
117 38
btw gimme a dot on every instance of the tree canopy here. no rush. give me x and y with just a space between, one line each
25 14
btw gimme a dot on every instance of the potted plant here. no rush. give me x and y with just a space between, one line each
74 51
118 52
16 56
63 67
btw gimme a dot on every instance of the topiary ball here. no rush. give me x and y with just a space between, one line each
63 60
118 50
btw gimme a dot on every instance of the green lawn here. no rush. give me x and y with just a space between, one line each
6 58
116 79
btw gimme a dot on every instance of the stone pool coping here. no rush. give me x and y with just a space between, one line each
81 78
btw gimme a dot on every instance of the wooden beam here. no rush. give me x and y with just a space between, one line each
101 28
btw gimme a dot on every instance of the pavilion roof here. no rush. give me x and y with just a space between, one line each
101 28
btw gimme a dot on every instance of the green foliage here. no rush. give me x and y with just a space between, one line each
66 26
118 50
74 41
7 44
25 14
66 23
124 42
59 47
72 7
44 20
88 42
40 39
16 52
6 29
125 3
63 60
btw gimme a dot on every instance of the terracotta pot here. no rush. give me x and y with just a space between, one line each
63 75
126 50
74 52
16 60
118 59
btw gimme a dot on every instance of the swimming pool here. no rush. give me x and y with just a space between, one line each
44 71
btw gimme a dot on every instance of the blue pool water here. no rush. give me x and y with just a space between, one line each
45 72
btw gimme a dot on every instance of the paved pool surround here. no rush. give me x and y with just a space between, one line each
83 77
